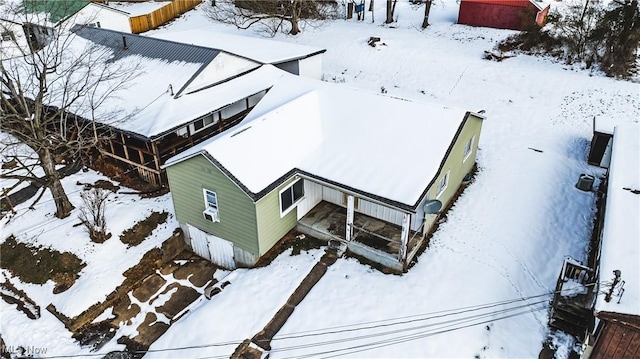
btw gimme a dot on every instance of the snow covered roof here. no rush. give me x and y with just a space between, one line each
176 83
261 50
101 6
371 143
620 248
606 124
145 46
539 4
138 8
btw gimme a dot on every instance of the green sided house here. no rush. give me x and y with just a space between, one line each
361 168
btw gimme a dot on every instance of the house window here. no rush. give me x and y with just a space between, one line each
467 148
204 122
210 200
290 196
8 36
210 212
442 185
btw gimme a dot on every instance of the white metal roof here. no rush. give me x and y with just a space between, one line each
620 248
145 105
384 146
262 50
138 8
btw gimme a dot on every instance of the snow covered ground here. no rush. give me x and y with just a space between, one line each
504 239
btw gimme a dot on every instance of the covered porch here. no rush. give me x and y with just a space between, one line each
378 240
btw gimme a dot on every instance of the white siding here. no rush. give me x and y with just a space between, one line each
108 19
311 67
381 212
233 109
365 207
224 66
312 196
215 249
13 48
333 196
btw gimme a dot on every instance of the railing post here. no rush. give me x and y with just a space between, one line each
404 238
350 210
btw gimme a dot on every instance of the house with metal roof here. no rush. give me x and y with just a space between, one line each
372 176
599 302
129 16
183 95
616 333
302 60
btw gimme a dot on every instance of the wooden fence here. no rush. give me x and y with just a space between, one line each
158 17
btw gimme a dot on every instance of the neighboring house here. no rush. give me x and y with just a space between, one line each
300 60
129 16
599 302
99 15
186 94
337 163
503 14
19 39
617 305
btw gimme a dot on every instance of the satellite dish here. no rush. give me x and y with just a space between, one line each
432 207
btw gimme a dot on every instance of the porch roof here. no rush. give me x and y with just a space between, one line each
386 148
620 248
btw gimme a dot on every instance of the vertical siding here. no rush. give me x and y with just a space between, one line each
158 17
381 212
333 196
365 207
237 211
271 227
617 341
312 196
457 167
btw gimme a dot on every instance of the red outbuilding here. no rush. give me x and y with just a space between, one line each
503 14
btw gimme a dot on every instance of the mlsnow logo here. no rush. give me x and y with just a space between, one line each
22 351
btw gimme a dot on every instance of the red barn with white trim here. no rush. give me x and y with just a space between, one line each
503 14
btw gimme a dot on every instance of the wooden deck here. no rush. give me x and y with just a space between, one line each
373 238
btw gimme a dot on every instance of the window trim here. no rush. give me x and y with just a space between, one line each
215 118
294 203
206 200
470 144
440 190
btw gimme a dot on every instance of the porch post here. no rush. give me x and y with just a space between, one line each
404 238
349 228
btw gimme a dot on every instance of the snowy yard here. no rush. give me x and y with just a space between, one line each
502 245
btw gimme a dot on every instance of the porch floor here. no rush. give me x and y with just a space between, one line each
331 219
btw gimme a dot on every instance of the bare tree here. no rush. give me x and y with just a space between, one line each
391 9
92 214
49 103
272 16
427 10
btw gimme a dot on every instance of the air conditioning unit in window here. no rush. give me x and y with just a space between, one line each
211 215
183 132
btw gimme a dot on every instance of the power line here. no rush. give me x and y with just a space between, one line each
436 328
403 339
443 324
433 315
